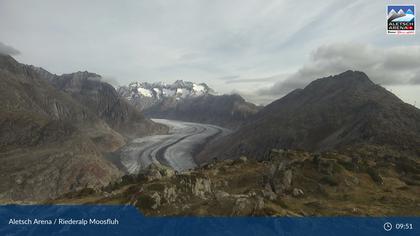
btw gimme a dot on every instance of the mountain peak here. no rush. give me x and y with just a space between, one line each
148 94
82 75
328 114
356 76
347 80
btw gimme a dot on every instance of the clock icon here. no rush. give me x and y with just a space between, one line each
387 226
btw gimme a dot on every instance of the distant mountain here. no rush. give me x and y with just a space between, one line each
329 114
188 101
144 95
224 110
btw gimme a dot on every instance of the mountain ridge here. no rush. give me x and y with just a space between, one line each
51 143
188 101
330 113
144 94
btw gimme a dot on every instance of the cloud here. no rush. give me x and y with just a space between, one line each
229 77
239 80
416 78
111 80
245 40
385 66
8 50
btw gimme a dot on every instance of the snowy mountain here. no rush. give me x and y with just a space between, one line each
144 95
188 101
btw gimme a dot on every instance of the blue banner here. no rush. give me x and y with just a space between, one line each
127 220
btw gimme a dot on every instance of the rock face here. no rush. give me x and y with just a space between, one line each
224 110
188 101
335 112
55 130
101 98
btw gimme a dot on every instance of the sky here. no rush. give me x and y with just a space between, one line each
261 49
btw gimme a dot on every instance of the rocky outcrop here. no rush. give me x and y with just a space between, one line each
289 183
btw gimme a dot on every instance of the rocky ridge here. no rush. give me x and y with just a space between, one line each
371 182
51 142
144 95
330 113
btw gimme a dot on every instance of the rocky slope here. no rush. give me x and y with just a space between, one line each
101 98
369 182
341 146
224 110
329 114
51 142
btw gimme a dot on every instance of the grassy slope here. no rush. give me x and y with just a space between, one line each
377 184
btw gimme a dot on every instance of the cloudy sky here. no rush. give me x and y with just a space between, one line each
261 49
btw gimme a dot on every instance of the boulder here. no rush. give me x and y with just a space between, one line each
243 159
169 194
221 195
156 200
201 187
270 195
287 179
281 181
297 192
259 203
242 206
153 173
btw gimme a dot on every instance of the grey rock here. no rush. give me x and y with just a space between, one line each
156 200
221 195
297 192
201 188
242 206
169 194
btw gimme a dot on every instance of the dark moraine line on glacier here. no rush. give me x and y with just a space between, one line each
160 154
175 149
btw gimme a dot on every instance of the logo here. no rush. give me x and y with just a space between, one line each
401 19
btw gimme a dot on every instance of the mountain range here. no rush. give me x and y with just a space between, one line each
188 101
55 131
341 145
144 95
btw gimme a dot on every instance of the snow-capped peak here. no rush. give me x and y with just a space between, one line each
151 93
144 92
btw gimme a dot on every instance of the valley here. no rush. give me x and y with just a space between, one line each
175 149
342 145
